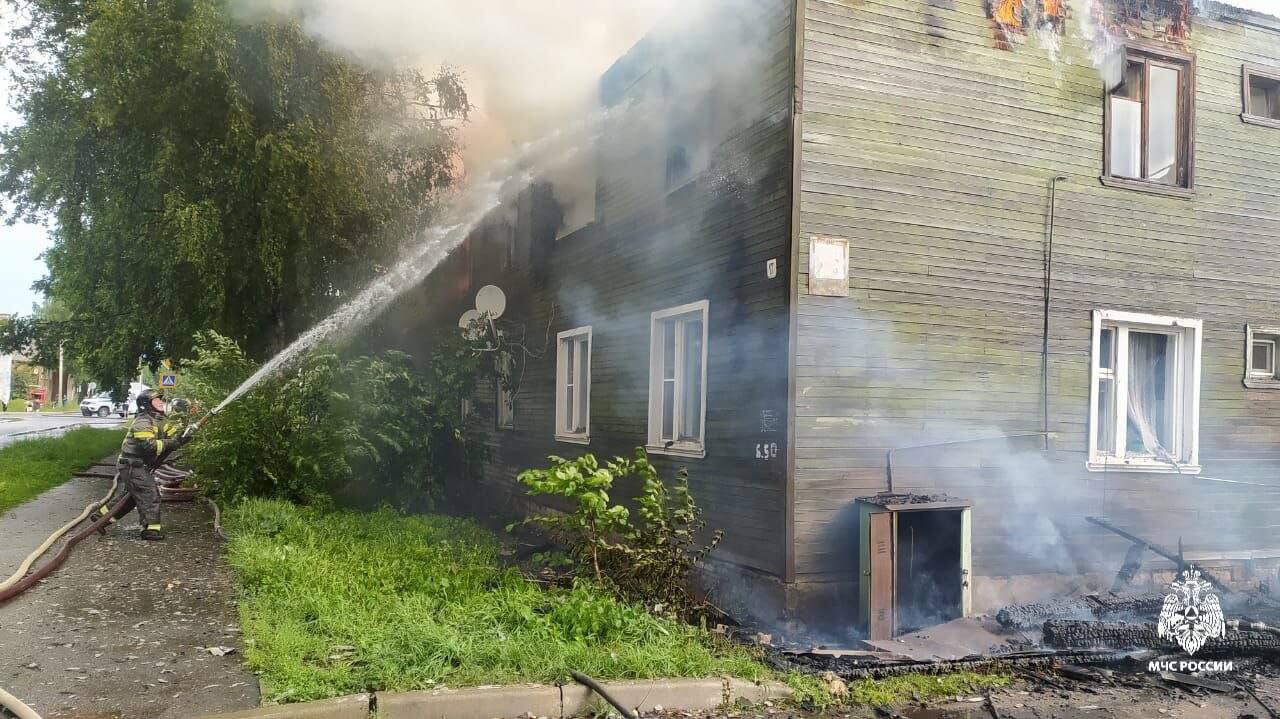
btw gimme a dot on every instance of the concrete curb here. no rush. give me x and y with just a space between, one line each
510 702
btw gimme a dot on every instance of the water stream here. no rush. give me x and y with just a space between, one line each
471 206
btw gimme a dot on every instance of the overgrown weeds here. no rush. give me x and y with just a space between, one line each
342 602
812 692
32 466
649 560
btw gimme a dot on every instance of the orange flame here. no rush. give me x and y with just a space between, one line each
1008 13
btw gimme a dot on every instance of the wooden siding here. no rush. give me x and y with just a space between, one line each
931 152
650 249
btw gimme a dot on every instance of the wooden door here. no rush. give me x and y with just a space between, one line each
881 622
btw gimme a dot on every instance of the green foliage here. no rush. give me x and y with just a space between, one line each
204 170
32 466
17 404
592 524
365 430
19 385
343 602
649 560
811 692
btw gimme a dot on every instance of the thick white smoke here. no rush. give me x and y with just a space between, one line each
528 66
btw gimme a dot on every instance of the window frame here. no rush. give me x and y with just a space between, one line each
1186 381
1186 63
578 335
681 448
1247 73
1261 381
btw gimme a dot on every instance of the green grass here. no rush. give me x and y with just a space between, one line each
31 466
812 691
69 406
343 602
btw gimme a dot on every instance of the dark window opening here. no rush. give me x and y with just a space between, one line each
1262 358
1149 121
1262 94
679 170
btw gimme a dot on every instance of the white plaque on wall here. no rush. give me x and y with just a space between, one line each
828 266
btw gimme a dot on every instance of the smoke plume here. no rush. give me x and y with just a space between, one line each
528 67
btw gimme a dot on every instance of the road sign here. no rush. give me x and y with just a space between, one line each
168 380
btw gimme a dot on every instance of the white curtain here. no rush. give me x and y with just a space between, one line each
1148 353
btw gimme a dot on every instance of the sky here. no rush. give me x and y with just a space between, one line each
21 245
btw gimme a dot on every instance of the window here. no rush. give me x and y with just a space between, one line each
1149 122
573 385
1261 96
1260 357
678 380
1145 396
505 402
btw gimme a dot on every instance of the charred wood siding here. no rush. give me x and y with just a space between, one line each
931 152
650 249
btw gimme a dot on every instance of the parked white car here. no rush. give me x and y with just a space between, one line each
101 405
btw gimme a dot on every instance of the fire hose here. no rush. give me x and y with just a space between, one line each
31 558
57 560
18 583
16 707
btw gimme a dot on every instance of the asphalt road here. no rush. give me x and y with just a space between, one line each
16 426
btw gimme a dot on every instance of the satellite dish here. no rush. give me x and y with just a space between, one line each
491 300
465 322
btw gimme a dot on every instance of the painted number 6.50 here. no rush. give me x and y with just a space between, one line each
767 451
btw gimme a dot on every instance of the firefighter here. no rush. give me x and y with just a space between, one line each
146 444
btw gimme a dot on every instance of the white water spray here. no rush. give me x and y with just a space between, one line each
473 205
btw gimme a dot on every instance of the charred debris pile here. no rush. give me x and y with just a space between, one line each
1110 638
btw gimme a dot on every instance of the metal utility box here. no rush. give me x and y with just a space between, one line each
914 562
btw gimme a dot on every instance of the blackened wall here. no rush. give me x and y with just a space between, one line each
651 247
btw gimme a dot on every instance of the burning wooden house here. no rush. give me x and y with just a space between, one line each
1024 254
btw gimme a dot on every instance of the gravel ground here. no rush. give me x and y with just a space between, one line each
124 629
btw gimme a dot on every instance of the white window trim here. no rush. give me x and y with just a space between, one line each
655 444
1186 378
583 437
1254 380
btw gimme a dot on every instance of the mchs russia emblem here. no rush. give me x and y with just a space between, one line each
1191 614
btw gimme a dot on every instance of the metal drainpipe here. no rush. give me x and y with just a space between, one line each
1048 284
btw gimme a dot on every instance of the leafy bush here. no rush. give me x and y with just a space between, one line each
362 431
17 404
646 561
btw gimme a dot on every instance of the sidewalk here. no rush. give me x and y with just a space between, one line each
121 630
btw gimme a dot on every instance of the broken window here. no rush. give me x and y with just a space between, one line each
1261 96
573 385
678 375
1260 360
1149 121
1145 395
